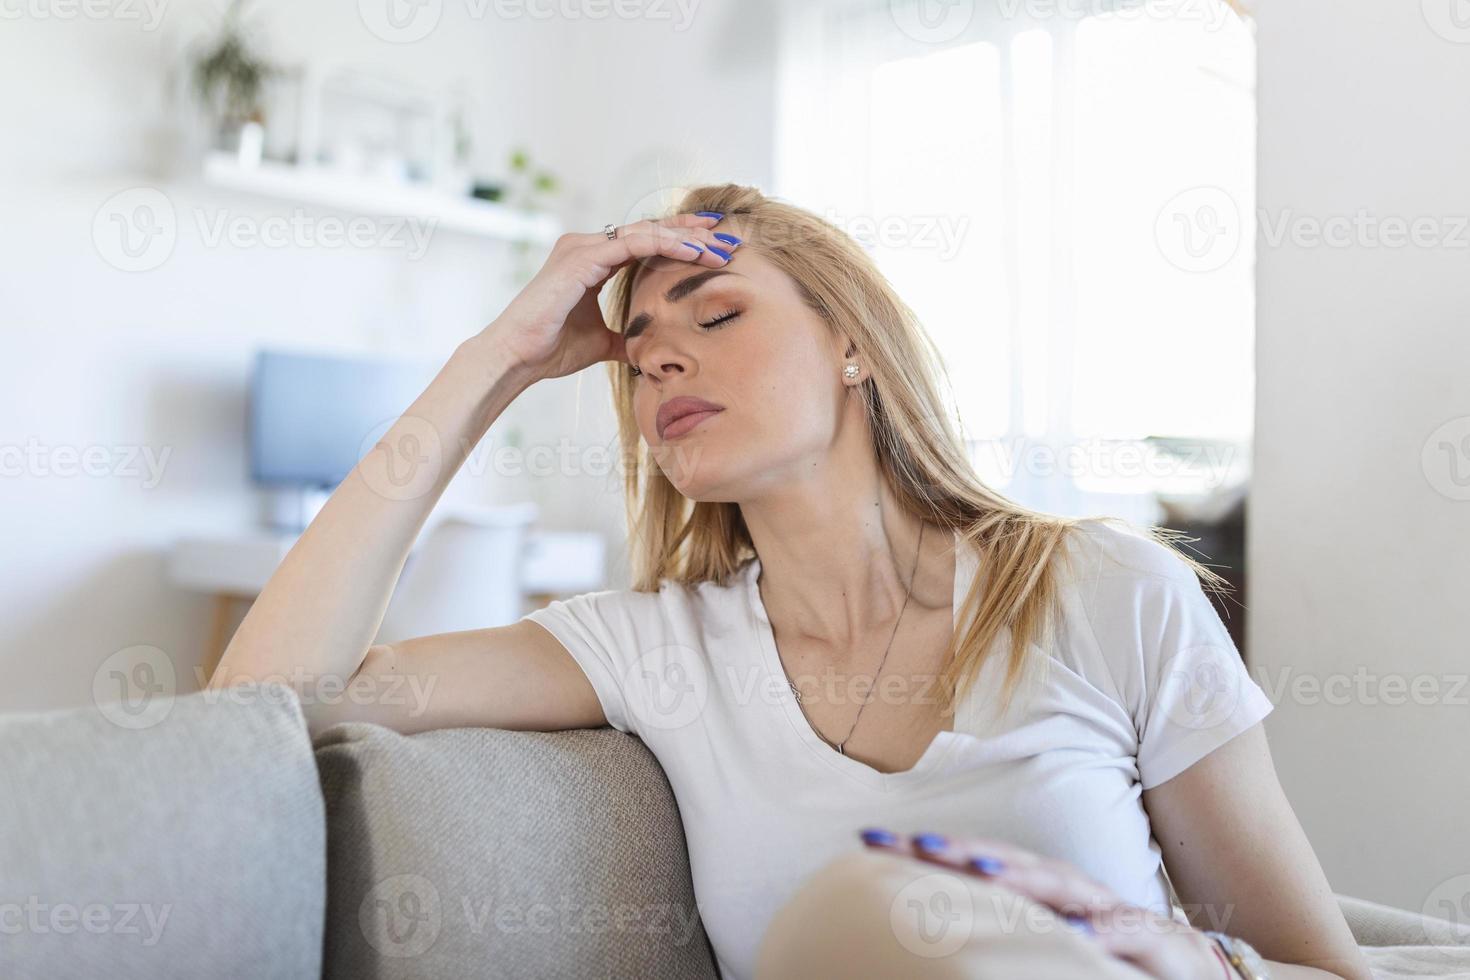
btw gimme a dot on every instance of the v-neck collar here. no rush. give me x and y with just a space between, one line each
937 751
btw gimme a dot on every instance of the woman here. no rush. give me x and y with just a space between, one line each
880 691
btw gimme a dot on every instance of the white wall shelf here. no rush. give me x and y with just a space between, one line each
364 195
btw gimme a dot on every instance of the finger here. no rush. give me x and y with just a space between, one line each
701 220
694 219
648 240
1061 887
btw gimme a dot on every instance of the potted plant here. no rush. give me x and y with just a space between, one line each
229 78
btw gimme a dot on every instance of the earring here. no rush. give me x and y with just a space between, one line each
850 372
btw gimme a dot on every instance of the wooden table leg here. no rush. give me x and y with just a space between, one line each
219 633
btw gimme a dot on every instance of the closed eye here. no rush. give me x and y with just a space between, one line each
723 318
714 324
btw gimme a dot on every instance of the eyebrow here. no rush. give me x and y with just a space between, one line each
676 292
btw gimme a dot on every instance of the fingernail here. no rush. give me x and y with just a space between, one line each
727 239
710 214
1079 923
700 248
930 843
720 252
987 865
877 836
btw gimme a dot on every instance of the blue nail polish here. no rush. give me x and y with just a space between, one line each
987 865
710 214
720 252
694 246
1079 923
879 836
930 842
727 239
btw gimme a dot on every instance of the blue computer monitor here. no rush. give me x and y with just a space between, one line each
311 416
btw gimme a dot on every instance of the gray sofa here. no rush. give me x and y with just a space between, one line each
210 837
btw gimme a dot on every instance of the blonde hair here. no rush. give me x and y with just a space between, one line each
920 452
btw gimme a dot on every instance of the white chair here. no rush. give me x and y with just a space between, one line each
465 574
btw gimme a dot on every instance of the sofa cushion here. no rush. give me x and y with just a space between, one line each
162 837
488 853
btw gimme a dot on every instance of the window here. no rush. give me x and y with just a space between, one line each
1066 203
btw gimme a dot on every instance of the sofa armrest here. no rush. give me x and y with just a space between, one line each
1383 925
488 853
162 837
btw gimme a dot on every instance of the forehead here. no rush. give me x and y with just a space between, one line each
656 274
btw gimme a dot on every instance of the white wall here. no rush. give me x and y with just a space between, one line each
1359 545
157 360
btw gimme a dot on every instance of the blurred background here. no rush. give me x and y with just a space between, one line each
1186 264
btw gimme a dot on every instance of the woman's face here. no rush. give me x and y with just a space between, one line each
771 362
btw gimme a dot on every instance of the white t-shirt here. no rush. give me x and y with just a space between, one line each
1143 680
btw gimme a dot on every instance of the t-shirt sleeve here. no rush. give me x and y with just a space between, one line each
597 630
1181 677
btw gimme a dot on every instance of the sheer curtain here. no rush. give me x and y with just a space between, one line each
1064 194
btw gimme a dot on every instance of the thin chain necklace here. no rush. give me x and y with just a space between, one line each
841 746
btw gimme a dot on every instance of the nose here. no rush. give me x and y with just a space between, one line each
662 360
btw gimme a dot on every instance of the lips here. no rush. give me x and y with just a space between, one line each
678 415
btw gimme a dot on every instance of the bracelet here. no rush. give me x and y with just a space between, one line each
1244 961
1230 973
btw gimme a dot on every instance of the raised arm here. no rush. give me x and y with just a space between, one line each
314 622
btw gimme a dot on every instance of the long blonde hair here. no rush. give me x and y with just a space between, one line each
920 452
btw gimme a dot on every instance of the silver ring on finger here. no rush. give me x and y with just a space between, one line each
610 231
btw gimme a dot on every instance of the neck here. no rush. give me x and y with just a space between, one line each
838 559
